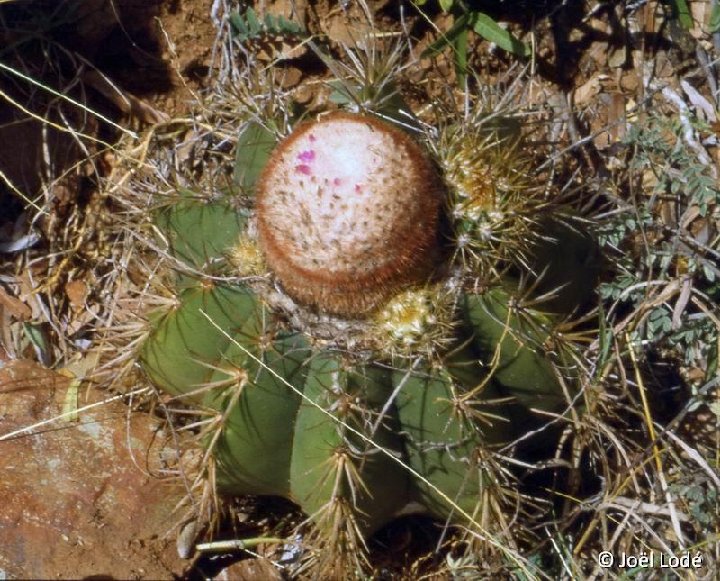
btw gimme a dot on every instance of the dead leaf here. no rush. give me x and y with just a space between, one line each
586 92
701 103
616 117
290 77
77 371
617 58
14 306
77 292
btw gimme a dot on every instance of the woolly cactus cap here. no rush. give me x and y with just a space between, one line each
347 211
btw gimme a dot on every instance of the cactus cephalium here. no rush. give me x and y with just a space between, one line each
348 216
347 213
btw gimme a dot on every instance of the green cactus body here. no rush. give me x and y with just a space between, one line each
512 347
305 422
254 448
442 439
565 250
183 345
199 233
331 463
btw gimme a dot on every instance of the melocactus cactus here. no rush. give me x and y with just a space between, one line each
402 399
347 212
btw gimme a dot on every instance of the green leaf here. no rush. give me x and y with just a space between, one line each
254 147
238 23
460 49
248 26
461 23
39 336
490 30
682 12
270 23
714 24
289 27
283 26
605 337
712 362
253 22
446 5
341 94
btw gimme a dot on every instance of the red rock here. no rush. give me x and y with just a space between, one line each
76 500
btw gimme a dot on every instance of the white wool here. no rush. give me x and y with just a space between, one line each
335 196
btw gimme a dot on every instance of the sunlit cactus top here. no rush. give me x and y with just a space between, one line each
348 212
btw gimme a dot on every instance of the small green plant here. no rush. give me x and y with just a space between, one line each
681 11
664 251
249 26
465 20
